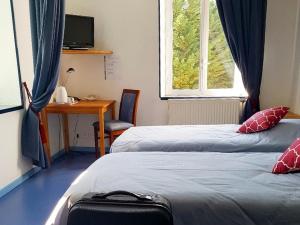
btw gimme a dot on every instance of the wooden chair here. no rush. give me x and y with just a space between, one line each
127 118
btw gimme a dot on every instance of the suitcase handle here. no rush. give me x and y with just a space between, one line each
137 196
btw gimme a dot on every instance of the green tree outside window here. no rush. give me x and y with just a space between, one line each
186 48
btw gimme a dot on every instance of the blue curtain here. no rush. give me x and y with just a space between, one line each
47 27
244 23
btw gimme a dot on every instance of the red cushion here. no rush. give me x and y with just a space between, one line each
263 120
290 160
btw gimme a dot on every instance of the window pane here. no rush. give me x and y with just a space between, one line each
220 63
186 44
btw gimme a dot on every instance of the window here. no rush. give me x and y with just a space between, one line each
195 58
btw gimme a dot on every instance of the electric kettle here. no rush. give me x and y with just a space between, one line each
61 95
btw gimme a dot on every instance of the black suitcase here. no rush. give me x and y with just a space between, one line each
120 208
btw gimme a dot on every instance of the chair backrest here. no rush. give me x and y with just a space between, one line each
128 106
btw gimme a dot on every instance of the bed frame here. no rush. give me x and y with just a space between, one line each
292 115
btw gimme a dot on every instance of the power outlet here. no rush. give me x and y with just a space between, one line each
84 135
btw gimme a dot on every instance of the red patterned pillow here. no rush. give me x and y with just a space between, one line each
263 120
290 160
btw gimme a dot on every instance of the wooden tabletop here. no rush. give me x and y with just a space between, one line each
83 105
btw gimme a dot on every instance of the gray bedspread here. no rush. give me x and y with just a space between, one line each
208 138
203 188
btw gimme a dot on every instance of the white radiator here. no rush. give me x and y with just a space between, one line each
204 111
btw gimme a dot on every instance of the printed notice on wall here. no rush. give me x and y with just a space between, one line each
112 66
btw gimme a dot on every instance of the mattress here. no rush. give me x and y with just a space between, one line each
203 188
208 138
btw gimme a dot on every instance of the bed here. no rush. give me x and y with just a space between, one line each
203 188
208 138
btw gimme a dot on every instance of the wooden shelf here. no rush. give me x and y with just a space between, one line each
87 52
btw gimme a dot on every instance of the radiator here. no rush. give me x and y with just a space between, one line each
204 111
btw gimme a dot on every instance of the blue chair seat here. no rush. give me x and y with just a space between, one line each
114 125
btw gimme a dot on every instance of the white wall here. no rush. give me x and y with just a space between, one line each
296 89
12 164
278 74
130 29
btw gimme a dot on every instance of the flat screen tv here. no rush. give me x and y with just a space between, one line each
79 32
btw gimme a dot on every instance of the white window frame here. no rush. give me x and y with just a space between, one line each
166 58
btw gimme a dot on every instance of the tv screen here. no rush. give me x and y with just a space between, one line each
79 32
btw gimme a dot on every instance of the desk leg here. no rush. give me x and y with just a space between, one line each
44 118
66 132
101 132
113 114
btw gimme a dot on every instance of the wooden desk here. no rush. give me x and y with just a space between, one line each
98 107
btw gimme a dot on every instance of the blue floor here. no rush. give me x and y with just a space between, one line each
32 202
